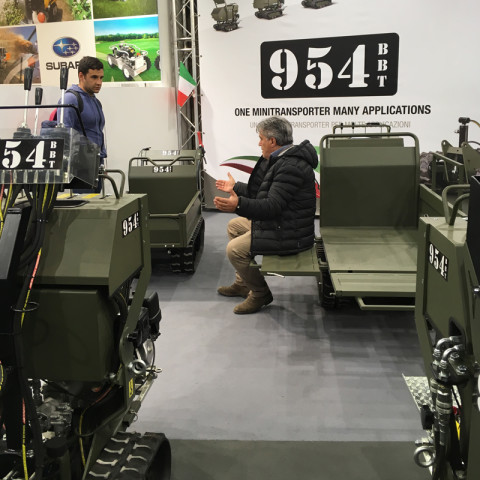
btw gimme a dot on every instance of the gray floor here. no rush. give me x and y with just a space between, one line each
291 372
237 460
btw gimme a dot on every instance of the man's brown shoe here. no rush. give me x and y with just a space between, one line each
253 304
234 290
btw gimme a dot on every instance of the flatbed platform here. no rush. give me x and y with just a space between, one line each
362 260
355 249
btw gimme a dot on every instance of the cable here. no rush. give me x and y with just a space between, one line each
456 400
10 199
24 441
29 254
28 404
1 213
27 399
80 440
80 423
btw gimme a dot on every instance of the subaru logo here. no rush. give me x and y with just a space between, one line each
66 47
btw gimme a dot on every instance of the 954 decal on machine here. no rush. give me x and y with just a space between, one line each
162 169
438 260
361 65
130 224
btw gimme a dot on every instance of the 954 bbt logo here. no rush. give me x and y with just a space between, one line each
361 65
31 154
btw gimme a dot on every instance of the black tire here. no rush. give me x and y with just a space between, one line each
127 73
148 62
111 60
157 62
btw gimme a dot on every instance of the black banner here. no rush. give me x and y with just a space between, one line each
356 66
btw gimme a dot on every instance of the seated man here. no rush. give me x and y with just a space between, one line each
276 210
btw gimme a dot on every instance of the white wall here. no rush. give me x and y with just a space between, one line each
437 67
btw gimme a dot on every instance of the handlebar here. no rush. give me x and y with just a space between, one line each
450 219
153 162
353 126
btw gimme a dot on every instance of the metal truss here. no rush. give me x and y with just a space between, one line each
185 35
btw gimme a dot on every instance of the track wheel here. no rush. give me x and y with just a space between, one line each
127 73
148 62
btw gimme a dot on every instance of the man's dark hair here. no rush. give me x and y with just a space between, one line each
278 128
89 63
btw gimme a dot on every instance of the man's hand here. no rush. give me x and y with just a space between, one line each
226 185
227 204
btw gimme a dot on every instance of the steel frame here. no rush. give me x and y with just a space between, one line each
185 39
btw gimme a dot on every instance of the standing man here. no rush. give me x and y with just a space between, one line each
276 210
90 79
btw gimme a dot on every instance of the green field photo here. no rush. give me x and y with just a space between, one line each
123 8
114 74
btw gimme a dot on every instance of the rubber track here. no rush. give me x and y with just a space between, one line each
185 259
318 6
127 456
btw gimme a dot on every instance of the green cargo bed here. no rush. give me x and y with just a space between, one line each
172 181
369 211
371 261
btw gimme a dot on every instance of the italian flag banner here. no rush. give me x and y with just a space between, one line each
186 84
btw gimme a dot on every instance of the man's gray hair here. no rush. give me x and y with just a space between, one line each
278 128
